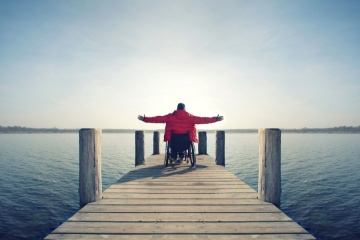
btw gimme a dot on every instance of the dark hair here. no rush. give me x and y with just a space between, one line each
181 106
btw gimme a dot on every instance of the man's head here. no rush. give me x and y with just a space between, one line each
181 106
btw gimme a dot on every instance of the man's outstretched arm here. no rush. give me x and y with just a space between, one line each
157 119
204 120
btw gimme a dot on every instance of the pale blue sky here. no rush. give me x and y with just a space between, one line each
87 63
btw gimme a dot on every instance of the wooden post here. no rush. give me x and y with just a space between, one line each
139 148
269 183
156 143
90 182
220 148
202 147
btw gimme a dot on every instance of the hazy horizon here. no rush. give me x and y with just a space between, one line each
199 128
99 64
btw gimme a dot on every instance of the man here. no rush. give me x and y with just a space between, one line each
180 128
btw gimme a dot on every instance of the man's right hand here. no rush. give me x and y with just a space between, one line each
219 118
141 118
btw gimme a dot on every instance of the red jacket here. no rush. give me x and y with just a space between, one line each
179 122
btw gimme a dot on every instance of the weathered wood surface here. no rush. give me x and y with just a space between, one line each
139 147
179 202
220 148
269 183
202 145
156 143
90 181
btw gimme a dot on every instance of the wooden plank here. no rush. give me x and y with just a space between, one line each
185 196
245 208
180 227
180 217
194 172
178 190
214 180
182 183
181 236
180 169
177 201
177 186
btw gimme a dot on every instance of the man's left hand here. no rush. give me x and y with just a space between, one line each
219 118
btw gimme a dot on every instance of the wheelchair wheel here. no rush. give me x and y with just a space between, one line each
167 154
192 155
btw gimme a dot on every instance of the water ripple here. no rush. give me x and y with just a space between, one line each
320 178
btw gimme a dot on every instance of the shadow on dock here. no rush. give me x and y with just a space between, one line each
157 171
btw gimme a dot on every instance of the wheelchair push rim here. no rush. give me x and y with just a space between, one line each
167 154
192 155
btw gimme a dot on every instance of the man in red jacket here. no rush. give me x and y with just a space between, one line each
180 127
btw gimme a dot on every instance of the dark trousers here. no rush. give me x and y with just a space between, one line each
179 143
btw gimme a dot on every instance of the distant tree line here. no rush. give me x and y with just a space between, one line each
341 129
18 129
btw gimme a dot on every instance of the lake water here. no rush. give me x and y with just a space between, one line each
39 178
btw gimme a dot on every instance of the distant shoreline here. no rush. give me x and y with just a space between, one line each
25 130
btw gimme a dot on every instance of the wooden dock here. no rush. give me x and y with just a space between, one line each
179 202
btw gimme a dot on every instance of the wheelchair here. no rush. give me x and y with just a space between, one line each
185 147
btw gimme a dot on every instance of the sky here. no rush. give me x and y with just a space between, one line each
100 64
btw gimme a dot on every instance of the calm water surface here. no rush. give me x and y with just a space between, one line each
39 178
